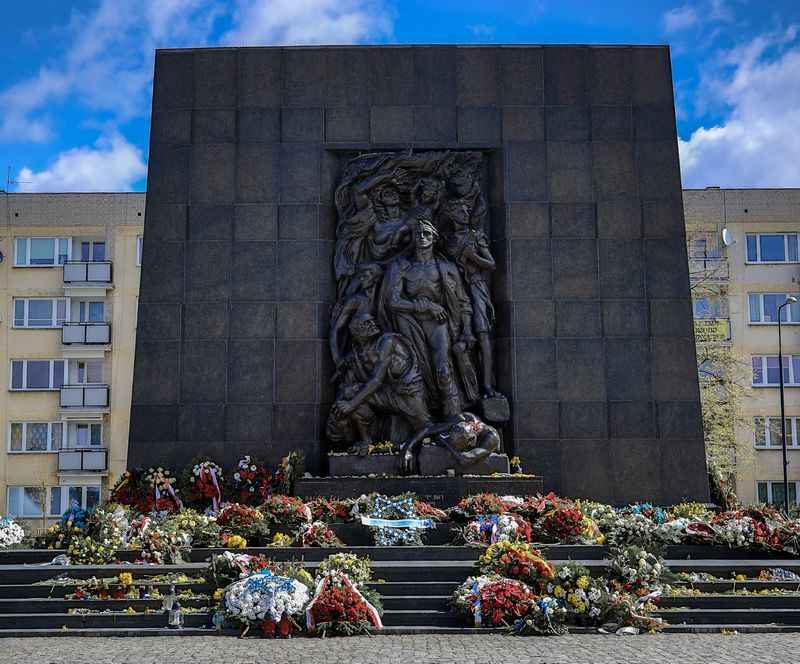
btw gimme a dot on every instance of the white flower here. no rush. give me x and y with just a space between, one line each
594 612
594 594
237 476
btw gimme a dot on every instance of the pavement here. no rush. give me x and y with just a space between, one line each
416 649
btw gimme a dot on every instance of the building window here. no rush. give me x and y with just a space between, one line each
93 251
40 312
139 240
90 312
37 374
41 251
772 248
765 370
35 436
767 431
32 501
771 492
86 372
85 434
764 308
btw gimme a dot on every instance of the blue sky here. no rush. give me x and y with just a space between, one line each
75 77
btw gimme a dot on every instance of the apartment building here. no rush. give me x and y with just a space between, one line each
743 255
69 283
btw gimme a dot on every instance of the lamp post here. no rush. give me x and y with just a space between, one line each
789 300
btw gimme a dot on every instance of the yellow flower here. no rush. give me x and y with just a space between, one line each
236 542
125 578
582 582
558 591
218 593
741 577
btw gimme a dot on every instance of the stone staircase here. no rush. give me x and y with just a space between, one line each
415 584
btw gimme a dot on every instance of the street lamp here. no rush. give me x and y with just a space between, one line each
789 300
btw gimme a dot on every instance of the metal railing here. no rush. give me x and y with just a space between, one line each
83 459
87 272
84 396
86 333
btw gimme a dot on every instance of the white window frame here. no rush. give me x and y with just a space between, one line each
51 387
26 318
63 498
50 449
86 304
139 247
769 444
794 381
761 321
771 483
67 444
56 242
758 260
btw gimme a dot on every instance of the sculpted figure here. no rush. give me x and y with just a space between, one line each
360 302
467 438
468 246
427 304
382 379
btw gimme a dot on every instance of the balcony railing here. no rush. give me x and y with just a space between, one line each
77 273
84 396
86 333
83 459
709 269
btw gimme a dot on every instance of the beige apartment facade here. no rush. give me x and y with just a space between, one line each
744 262
69 284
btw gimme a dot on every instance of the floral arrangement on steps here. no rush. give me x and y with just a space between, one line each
249 523
517 560
331 510
202 484
317 534
491 528
161 494
568 525
392 519
286 512
339 607
250 482
11 533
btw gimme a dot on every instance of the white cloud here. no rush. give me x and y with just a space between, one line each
261 22
112 164
107 65
757 145
680 18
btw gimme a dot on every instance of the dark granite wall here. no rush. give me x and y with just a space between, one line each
595 345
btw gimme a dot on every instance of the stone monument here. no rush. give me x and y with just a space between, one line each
469 251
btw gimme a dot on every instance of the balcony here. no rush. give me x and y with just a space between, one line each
92 397
87 277
92 460
709 270
86 334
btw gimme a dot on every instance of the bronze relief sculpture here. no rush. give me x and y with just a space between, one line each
414 314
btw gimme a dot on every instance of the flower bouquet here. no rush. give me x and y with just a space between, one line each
533 507
479 505
427 511
516 560
339 607
546 616
201 529
635 530
269 601
229 567
565 525
318 534
290 468
286 512
244 521
496 528
393 520
637 570
250 483
11 533
163 544
160 493
491 601
330 510
202 482
85 550
128 490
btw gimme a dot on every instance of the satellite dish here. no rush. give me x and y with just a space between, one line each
727 237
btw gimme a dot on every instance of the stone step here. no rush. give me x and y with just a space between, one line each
17 591
421 618
18 574
740 616
750 584
732 602
755 628
423 588
95 620
415 602
55 605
